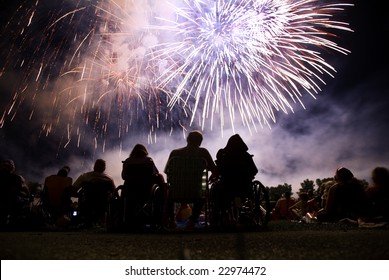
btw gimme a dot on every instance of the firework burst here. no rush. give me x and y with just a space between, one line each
83 70
109 68
251 57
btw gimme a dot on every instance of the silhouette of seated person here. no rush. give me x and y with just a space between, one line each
96 189
57 192
323 192
345 199
282 209
140 175
237 170
305 208
184 170
378 194
13 188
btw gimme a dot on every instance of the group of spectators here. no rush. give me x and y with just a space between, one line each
233 165
344 197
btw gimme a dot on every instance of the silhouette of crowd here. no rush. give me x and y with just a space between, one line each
198 190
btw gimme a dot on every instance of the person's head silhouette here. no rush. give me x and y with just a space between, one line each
195 138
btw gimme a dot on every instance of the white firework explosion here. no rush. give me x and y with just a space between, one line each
118 66
256 56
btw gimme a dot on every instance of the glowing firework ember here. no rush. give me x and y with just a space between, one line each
113 66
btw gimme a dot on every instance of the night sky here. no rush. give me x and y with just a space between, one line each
346 125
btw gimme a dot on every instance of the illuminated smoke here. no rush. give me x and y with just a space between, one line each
112 69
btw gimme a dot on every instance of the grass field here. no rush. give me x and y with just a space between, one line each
279 241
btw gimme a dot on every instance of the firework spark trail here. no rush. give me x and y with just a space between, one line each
256 56
88 68
110 66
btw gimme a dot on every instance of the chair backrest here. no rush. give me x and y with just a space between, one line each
138 173
55 188
97 192
185 177
139 178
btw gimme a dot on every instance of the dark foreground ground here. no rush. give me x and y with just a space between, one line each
280 241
